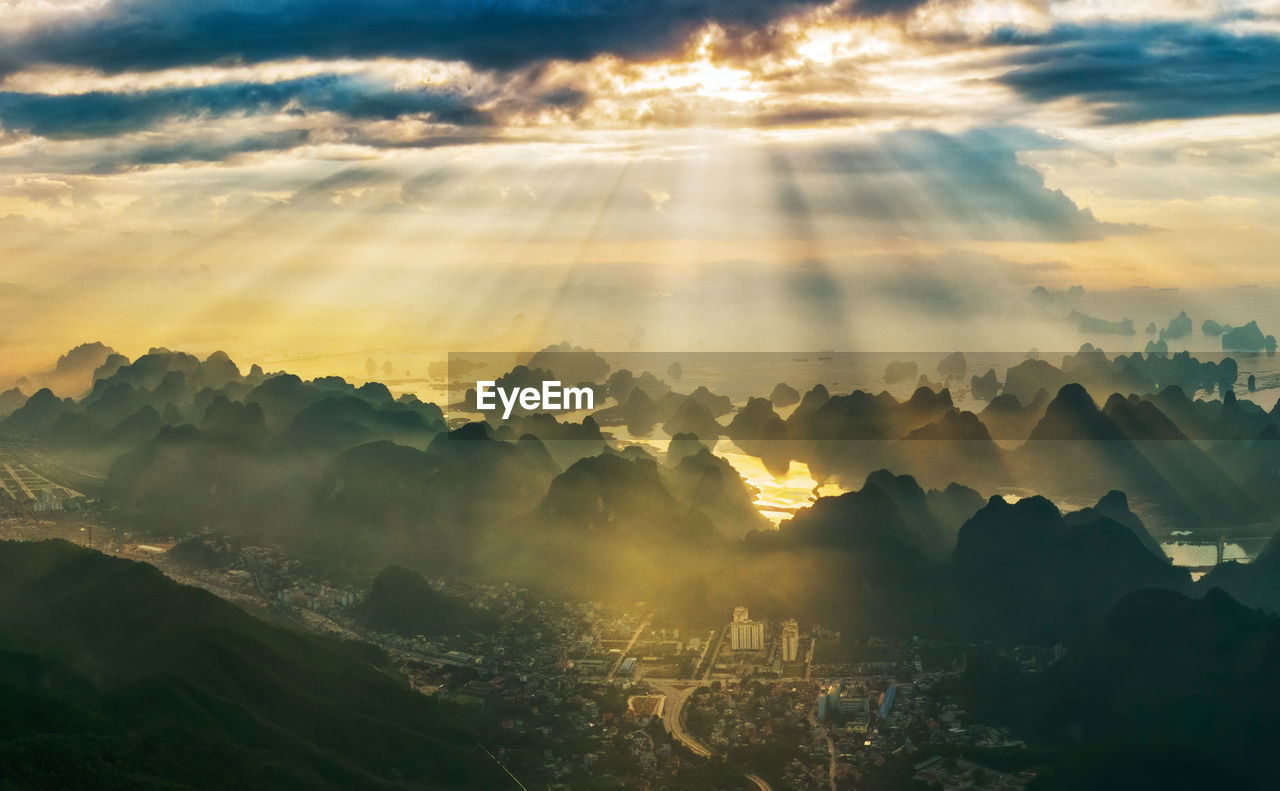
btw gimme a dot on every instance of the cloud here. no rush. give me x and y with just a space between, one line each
106 114
1147 72
152 34
929 184
198 151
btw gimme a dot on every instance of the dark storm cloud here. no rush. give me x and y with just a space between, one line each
149 34
102 114
1149 72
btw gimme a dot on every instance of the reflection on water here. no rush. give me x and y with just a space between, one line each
1187 553
777 498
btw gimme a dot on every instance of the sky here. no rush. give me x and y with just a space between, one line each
314 180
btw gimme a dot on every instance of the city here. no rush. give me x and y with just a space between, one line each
602 395
601 697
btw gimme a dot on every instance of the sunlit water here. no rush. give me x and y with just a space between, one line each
777 497
1184 553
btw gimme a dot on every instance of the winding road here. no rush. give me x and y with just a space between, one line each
677 694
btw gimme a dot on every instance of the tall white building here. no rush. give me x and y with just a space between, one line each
744 633
790 640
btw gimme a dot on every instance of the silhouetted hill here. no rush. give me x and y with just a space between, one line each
985 387
784 395
1006 418
1248 338
693 417
866 548
1072 415
113 676
566 442
716 405
1138 418
758 430
616 496
1168 692
401 601
1114 505
37 416
381 500
1077 449
10 400
711 485
1029 377
888 506
74 372
340 422
571 363
1257 583
186 479
1027 574
138 427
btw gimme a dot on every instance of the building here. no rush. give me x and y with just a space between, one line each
856 711
887 700
828 701
747 636
744 633
790 640
853 707
46 501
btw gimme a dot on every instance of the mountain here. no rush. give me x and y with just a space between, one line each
1024 380
955 447
1114 505
113 676
784 395
710 484
863 550
693 417
1077 449
36 416
1006 417
613 496
188 478
758 430
890 506
10 400
339 422
1024 573
1166 692
382 501
1257 584
401 601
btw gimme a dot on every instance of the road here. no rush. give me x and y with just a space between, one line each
760 782
704 670
831 769
644 624
21 483
707 647
677 693
831 753
673 714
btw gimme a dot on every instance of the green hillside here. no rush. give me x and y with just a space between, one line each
113 676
